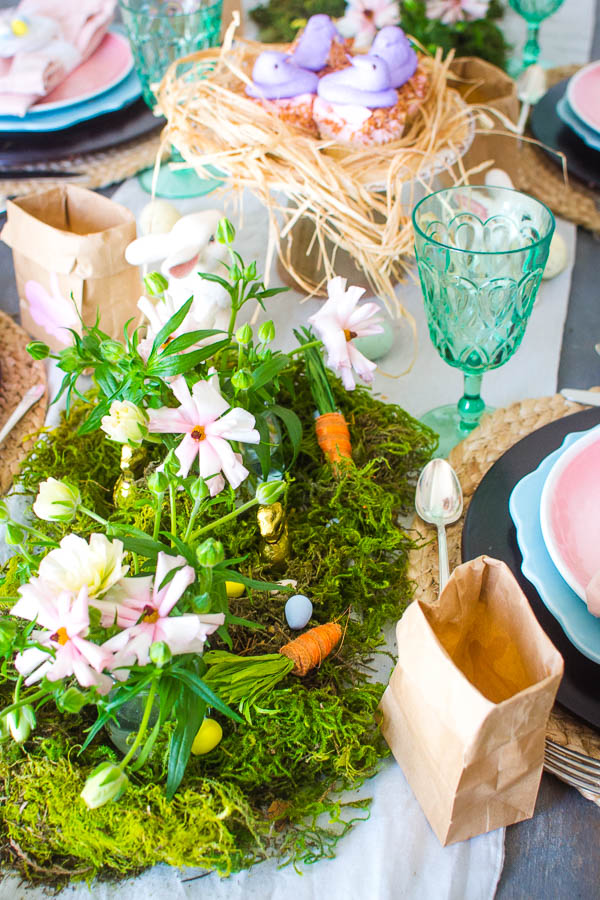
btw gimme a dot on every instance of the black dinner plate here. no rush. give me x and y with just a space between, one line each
489 529
549 128
101 133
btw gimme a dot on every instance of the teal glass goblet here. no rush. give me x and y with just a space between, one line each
159 32
534 12
481 253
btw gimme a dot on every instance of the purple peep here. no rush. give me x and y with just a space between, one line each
392 45
275 77
312 51
365 83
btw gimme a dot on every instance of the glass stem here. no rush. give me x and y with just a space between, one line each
531 50
470 405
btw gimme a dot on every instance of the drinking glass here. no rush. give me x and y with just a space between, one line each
481 253
159 32
534 12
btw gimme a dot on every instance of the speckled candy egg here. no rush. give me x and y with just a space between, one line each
298 611
209 735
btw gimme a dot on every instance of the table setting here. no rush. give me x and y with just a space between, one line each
294 599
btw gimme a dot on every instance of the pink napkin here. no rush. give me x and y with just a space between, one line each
28 76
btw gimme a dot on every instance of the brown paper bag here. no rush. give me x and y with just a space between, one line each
80 236
466 708
481 83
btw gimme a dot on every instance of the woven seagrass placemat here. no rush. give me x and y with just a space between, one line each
471 459
541 177
94 170
18 372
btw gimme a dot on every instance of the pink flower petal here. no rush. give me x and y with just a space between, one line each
186 453
169 421
208 402
235 425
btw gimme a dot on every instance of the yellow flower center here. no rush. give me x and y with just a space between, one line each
60 636
349 334
150 615
198 433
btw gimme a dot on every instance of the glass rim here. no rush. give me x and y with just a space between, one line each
483 187
206 5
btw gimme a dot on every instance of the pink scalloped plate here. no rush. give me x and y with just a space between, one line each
583 94
108 65
570 512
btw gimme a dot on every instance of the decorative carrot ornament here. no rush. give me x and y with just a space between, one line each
330 425
245 680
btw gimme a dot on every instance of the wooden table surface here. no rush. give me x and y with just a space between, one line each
556 854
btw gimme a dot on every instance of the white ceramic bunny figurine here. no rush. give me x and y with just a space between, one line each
187 249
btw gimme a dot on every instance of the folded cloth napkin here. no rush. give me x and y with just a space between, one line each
34 71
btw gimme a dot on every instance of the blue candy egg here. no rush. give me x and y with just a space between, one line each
298 611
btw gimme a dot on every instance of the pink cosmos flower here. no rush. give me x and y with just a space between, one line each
143 606
66 616
451 11
52 313
338 322
207 423
363 18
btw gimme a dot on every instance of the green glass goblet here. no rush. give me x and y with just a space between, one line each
481 253
159 32
534 12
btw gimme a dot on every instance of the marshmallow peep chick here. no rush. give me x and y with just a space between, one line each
392 45
188 249
312 49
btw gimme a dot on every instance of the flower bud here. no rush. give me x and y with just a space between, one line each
225 233
268 492
69 360
250 271
266 332
38 349
244 334
160 654
199 490
155 284
242 380
71 700
171 464
112 351
56 501
105 783
210 553
126 422
14 534
20 722
158 483
202 603
8 631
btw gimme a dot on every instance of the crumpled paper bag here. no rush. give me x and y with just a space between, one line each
71 241
466 708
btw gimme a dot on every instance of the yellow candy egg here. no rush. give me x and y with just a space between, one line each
234 589
209 735
19 27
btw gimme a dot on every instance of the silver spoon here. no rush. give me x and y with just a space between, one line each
439 501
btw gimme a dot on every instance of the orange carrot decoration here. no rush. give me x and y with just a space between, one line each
310 649
333 437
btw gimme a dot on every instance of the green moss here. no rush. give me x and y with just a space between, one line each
264 790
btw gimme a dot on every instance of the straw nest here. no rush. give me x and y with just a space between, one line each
358 199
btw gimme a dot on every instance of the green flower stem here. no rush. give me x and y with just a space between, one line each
31 698
93 515
136 563
18 685
227 518
143 726
28 556
195 510
157 516
36 533
307 346
173 510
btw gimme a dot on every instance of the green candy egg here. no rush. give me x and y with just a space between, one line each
375 346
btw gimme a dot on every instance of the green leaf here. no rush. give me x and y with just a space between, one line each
177 365
199 687
144 546
232 575
292 424
210 276
186 340
190 714
263 449
267 370
169 327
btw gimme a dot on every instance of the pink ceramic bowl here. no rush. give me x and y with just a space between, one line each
570 512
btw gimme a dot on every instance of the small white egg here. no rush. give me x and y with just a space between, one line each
498 178
558 258
298 611
158 217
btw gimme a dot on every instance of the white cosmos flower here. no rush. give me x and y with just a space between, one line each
125 423
75 563
56 501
